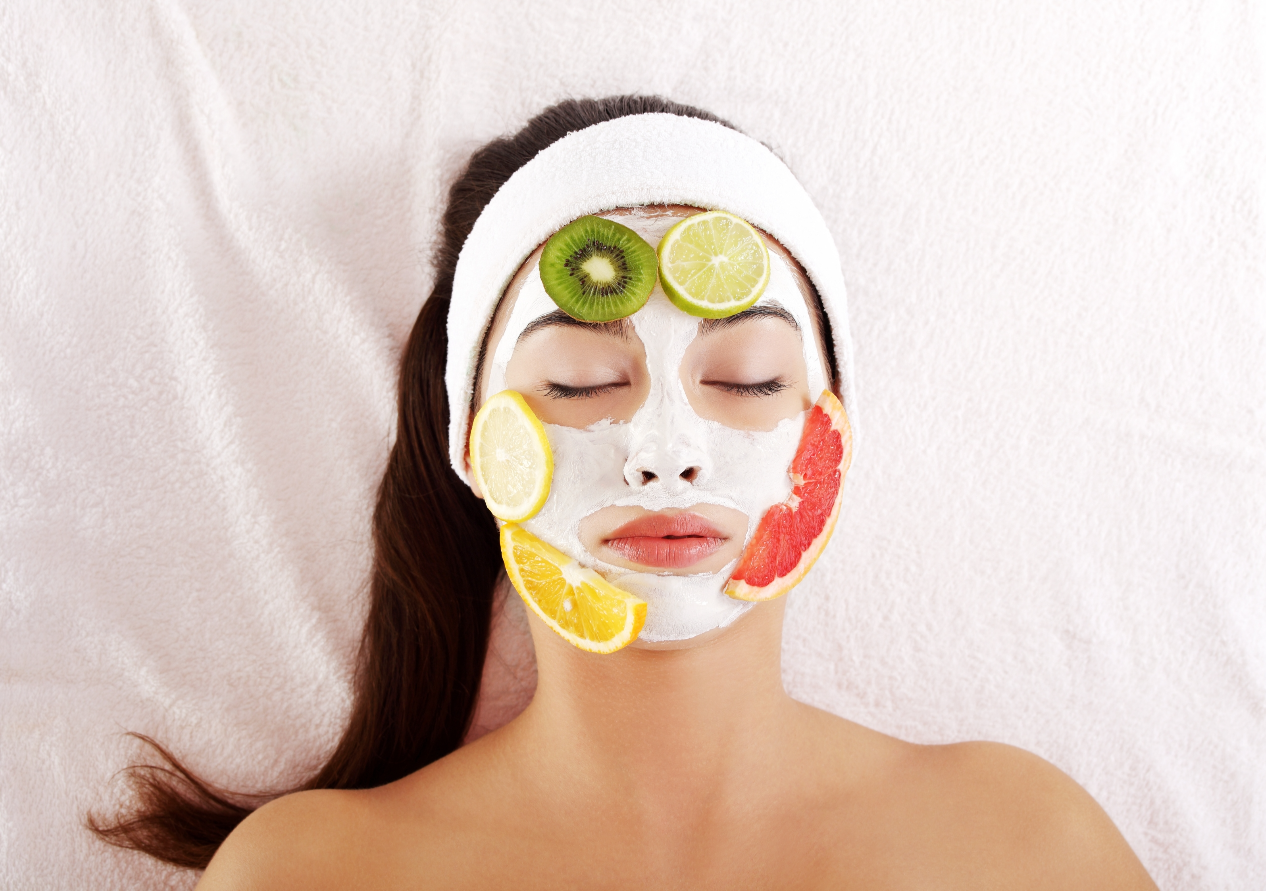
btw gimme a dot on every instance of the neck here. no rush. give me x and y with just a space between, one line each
662 725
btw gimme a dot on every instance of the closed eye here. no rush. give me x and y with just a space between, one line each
562 391
764 388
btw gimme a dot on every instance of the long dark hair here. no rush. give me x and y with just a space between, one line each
436 559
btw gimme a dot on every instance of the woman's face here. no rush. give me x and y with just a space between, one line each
671 434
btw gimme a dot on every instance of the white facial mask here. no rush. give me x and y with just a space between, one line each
603 465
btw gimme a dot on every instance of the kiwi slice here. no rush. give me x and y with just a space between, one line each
597 270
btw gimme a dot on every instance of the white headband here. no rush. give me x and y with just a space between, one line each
630 161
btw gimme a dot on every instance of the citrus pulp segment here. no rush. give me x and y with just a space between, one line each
793 534
713 264
510 457
581 606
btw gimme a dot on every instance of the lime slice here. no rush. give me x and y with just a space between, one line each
581 606
510 457
713 264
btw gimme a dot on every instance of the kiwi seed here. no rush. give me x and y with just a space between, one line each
597 270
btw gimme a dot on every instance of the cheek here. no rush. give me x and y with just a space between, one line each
746 412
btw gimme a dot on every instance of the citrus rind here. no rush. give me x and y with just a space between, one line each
510 457
686 273
579 605
741 590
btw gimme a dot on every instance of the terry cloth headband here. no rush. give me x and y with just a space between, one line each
635 160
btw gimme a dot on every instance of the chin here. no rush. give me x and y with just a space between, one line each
684 643
681 610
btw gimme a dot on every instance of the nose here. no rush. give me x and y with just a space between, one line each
673 467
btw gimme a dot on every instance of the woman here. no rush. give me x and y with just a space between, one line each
677 761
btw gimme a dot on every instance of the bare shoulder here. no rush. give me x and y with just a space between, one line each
1043 830
302 840
405 834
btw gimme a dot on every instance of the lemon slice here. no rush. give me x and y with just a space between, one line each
584 608
713 264
510 457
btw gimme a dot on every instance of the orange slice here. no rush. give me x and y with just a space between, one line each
581 606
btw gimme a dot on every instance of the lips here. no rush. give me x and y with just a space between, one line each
668 541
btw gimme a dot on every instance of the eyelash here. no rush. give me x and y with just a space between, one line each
562 391
764 388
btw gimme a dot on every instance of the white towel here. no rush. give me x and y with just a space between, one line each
214 238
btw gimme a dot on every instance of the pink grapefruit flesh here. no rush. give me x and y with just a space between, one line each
793 534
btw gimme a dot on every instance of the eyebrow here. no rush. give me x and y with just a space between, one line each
618 329
769 310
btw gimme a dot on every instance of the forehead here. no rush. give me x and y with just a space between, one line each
651 222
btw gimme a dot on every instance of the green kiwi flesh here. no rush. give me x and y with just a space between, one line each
597 270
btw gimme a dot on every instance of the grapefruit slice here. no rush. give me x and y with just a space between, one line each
792 535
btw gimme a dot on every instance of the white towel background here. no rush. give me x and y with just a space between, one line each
215 225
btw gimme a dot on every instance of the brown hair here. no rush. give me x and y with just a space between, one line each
436 559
